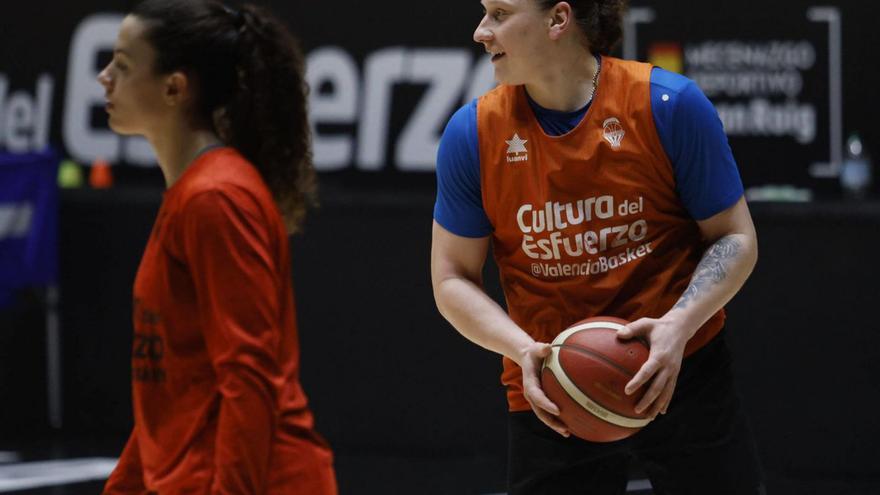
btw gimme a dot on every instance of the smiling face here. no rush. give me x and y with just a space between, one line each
516 33
134 92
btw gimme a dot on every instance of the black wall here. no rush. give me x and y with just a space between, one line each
387 375
806 342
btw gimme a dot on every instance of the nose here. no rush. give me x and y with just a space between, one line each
482 34
104 78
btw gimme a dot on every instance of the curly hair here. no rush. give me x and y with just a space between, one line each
600 20
250 77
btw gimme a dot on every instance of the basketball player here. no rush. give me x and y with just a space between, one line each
605 187
218 406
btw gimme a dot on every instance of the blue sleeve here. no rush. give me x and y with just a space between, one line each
706 176
459 205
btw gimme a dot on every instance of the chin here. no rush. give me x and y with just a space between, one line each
120 128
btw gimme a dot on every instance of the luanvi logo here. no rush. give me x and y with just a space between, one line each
516 149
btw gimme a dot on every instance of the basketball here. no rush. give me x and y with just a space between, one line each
585 376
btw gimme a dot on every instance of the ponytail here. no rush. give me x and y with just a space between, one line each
267 114
600 20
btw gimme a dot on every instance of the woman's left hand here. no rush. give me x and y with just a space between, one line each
667 340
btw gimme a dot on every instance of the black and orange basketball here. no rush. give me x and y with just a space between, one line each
585 376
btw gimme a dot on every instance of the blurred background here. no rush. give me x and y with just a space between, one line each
408 404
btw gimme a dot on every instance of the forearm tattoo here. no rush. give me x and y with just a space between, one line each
712 268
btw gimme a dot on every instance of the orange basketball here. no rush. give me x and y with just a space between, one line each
585 376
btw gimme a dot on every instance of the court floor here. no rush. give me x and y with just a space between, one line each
357 476
79 466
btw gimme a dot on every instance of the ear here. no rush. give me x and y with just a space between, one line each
178 89
561 18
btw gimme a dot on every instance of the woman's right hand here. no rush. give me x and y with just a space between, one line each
531 360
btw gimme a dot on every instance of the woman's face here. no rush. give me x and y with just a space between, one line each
134 93
515 32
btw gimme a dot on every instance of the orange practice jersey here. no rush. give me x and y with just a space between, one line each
587 223
218 406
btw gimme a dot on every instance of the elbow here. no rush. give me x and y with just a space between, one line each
754 249
440 299
452 292
755 254
750 258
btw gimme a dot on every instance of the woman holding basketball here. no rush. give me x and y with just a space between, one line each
605 188
218 407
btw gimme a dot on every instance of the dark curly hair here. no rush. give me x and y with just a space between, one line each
250 77
600 20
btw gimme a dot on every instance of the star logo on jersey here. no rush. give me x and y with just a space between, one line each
516 149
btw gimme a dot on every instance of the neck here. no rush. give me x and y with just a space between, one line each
177 146
568 85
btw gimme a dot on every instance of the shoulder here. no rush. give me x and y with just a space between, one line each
462 122
682 113
224 176
671 82
499 101
624 75
675 93
223 170
498 93
458 150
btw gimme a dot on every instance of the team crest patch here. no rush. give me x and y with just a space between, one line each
516 149
612 131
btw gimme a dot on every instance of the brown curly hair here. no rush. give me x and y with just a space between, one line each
250 78
600 20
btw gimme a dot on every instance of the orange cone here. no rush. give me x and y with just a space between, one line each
101 177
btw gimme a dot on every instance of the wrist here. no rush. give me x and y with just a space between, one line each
522 351
682 320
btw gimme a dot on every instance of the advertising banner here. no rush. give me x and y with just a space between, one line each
775 80
386 76
28 222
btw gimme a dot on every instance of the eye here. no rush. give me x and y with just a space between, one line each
497 14
120 65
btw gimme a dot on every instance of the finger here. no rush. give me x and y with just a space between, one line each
657 406
652 393
642 376
634 329
662 400
552 422
666 398
534 392
539 399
